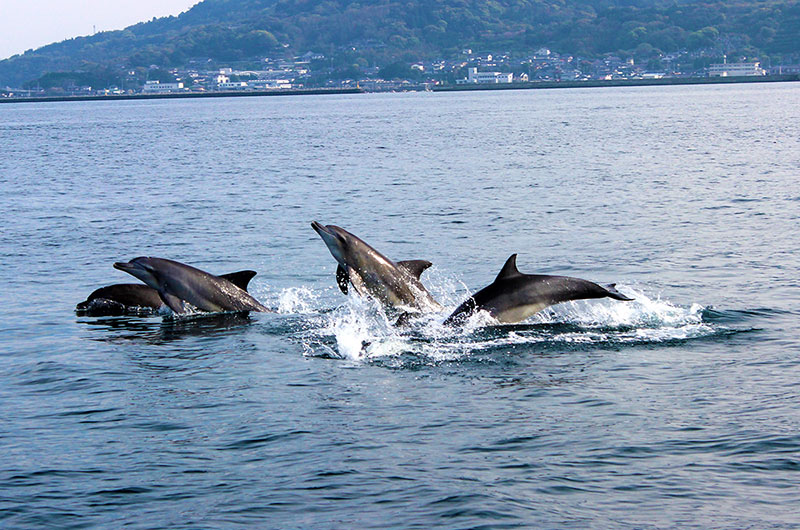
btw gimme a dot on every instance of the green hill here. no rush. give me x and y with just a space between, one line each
380 32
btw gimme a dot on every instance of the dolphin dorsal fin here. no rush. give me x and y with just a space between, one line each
509 270
415 267
240 278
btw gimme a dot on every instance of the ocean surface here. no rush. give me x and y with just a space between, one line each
678 410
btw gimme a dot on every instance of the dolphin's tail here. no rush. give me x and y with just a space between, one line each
616 295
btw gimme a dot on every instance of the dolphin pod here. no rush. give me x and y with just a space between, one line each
185 289
136 298
512 297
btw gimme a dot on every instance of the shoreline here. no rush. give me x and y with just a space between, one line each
446 88
184 95
622 83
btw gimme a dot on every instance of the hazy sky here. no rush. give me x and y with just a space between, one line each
26 24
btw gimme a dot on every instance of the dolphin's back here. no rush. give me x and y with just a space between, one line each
119 299
130 294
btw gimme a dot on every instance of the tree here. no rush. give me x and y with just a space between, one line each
397 71
704 38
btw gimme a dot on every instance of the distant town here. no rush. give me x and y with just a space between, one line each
313 71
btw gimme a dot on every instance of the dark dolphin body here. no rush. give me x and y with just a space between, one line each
394 284
138 299
184 288
514 296
120 299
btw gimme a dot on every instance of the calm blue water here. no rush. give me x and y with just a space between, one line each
679 410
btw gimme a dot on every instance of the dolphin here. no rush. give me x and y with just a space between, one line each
394 284
136 298
514 296
184 288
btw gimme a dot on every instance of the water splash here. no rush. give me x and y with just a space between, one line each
643 311
645 319
297 300
360 329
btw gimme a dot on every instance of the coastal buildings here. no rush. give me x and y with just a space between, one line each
483 68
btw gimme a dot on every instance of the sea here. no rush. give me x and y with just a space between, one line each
678 410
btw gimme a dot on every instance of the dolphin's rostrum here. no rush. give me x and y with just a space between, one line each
184 288
514 296
394 284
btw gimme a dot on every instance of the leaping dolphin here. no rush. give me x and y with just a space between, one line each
395 284
514 296
184 288
137 298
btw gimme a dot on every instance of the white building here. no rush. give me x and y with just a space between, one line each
735 69
269 83
155 87
232 85
476 77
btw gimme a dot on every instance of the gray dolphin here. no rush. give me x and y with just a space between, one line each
136 298
395 284
514 296
182 287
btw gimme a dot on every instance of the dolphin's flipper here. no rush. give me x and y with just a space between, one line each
240 278
177 305
357 281
616 295
342 279
415 267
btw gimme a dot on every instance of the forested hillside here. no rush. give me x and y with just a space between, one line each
384 31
